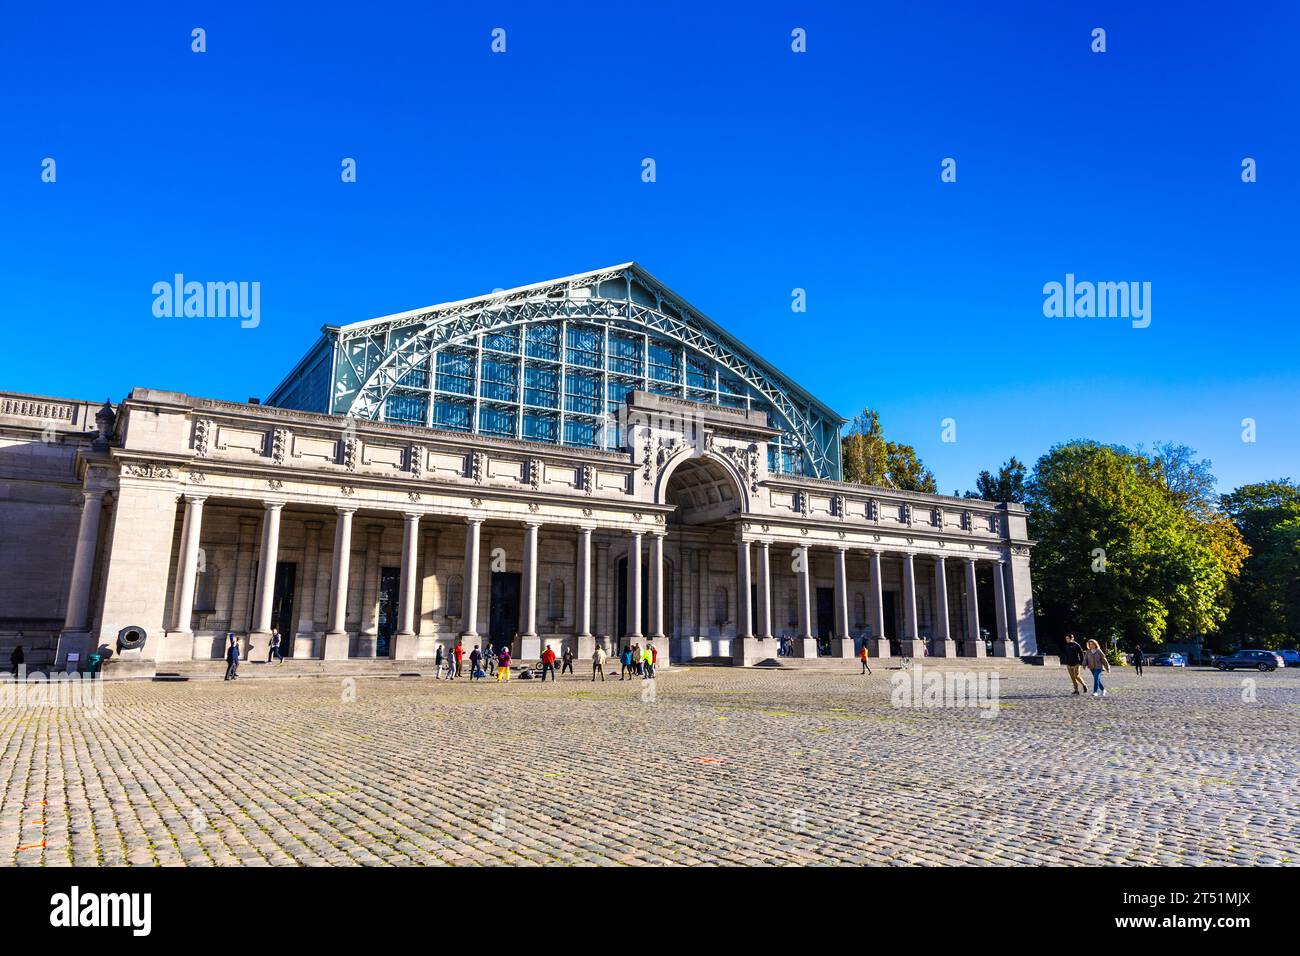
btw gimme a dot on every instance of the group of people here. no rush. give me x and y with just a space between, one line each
636 661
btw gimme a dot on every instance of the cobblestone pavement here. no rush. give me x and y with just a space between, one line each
722 766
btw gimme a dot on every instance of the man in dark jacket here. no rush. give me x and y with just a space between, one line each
1072 657
16 659
1138 659
232 659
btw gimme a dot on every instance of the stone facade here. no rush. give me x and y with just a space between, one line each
165 514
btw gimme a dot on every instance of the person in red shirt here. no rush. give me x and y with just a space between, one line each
548 663
459 652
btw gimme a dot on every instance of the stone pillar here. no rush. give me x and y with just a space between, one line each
633 588
259 638
1004 646
805 645
368 638
764 591
428 589
944 646
405 645
878 643
335 645
973 646
530 645
656 632
912 645
304 641
1020 603
75 636
604 597
842 644
746 648
469 594
178 644
585 640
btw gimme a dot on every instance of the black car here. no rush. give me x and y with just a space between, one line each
1255 660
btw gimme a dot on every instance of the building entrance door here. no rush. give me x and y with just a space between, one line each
889 599
826 614
390 586
286 574
503 609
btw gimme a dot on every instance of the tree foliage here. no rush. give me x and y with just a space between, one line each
1266 599
1121 551
869 459
1007 485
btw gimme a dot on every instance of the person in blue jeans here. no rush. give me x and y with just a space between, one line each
1096 662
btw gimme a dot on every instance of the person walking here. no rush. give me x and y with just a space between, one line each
490 660
437 663
503 664
568 660
232 659
274 649
598 664
625 661
458 653
548 663
1096 661
16 659
862 656
1072 657
1138 659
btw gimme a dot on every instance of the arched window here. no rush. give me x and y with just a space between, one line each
454 588
557 601
859 610
721 606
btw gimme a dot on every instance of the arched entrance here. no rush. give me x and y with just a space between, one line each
704 491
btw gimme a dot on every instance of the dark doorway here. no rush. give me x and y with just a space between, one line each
891 621
620 607
390 584
286 574
503 608
826 613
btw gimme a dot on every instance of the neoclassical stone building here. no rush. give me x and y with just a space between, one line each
579 461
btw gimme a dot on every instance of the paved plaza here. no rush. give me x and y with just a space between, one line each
721 766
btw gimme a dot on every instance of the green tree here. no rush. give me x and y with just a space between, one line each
868 459
1121 555
1007 485
1266 599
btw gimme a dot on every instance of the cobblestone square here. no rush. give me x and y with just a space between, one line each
718 766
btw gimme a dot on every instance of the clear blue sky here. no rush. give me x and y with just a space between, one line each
775 171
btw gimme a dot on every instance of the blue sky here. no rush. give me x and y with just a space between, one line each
775 170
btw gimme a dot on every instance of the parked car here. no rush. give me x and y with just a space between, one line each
1169 660
1291 656
1254 659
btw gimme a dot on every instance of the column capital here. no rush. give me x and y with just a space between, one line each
93 493
190 496
272 505
532 522
345 509
412 515
658 532
473 519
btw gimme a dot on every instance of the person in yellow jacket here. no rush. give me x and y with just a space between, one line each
647 663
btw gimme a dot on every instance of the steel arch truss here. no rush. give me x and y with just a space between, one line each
403 345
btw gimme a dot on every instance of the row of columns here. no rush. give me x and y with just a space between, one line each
911 640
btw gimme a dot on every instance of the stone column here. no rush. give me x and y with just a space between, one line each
368 638
585 641
805 645
304 642
405 645
973 646
633 588
469 594
530 645
428 587
187 566
657 591
746 649
75 636
335 645
842 645
912 645
260 637
1004 646
878 643
944 646
764 590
